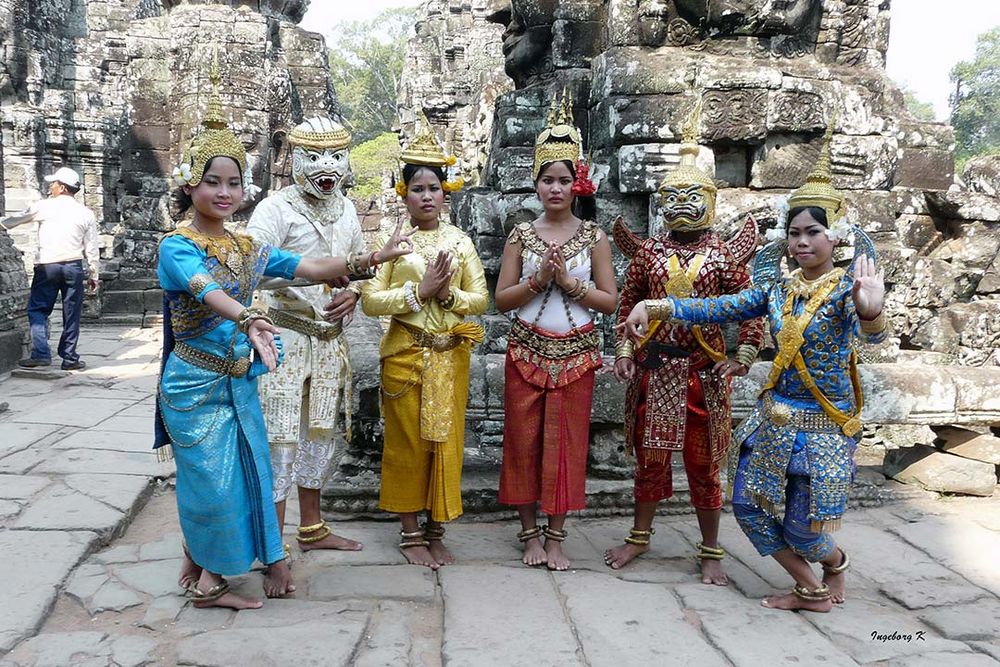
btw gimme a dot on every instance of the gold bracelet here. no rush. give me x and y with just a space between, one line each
248 315
449 303
874 326
625 350
746 355
660 310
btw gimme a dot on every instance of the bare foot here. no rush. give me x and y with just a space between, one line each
837 581
440 553
230 601
190 572
556 558
335 542
791 601
420 556
837 584
278 580
534 554
623 554
712 572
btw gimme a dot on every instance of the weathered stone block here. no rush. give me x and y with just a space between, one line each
964 206
635 71
936 471
575 43
860 163
915 231
641 167
734 115
795 111
638 119
969 444
930 168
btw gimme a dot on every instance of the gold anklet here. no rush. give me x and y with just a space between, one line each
845 564
639 538
310 534
553 534
814 595
710 553
529 533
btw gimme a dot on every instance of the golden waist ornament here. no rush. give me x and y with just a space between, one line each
782 414
211 362
553 348
304 325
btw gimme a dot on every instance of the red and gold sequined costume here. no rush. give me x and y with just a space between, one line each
681 404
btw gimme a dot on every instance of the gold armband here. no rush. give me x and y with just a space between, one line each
873 326
625 349
746 355
199 282
660 310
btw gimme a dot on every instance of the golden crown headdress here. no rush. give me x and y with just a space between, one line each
215 139
687 173
318 134
425 151
818 189
560 140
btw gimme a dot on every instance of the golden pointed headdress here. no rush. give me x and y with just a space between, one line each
425 151
560 140
215 139
687 173
818 189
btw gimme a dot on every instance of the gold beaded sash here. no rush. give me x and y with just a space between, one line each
222 365
304 325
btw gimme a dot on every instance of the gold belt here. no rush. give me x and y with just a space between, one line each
553 348
304 325
800 420
211 362
441 342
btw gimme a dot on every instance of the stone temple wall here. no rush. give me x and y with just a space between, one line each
114 87
454 72
770 76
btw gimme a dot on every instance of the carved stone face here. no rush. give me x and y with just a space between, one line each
320 172
527 38
686 207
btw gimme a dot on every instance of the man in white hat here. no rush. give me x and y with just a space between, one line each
67 233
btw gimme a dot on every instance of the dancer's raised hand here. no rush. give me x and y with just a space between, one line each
868 291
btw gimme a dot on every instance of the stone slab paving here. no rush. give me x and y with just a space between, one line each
69 500
89 526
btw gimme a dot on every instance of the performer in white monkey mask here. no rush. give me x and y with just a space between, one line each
303 399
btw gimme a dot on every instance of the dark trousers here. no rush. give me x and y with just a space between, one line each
49 281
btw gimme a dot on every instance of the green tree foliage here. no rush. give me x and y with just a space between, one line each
975 103
917 107
370 160
366 59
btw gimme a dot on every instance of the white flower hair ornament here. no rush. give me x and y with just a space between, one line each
181 173
839 231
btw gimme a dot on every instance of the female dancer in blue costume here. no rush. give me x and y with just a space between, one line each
797 446
208 408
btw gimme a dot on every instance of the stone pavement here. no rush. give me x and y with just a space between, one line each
91 548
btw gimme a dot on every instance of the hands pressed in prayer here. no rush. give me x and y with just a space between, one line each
437 277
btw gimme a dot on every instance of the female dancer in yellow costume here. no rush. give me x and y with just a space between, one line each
425 355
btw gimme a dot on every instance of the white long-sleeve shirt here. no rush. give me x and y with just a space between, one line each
67 231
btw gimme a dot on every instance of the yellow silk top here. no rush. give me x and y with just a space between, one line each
385 294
